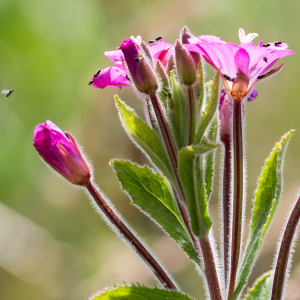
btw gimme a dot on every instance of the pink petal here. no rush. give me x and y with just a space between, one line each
242 60
115 56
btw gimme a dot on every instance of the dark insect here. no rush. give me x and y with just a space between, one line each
266 45
97 73
139 58
277 44
127 77
7 93
91 82
118 48
262 76
66 134
151 42
265 59
228 78
170 100
158 38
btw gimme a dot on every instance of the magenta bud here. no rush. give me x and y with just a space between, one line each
185 36
225 109
60 151
185 66
139 67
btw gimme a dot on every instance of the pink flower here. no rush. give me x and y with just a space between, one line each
114 76
60 151
241 65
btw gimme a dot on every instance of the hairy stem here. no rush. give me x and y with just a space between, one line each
227 174
210 269
131 238
284 252
237 194
192 102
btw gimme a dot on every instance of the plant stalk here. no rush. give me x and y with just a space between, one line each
284 252
132 239
192 102
237 220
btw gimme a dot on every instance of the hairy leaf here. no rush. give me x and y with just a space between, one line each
145 138
138 292
211 106
192 176
267 196
153 194
261 289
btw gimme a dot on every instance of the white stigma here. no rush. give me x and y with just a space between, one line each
246 38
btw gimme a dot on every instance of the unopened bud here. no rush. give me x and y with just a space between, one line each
147 52
225 110
140 69
159 69
185 66
171 65
185 35
60 151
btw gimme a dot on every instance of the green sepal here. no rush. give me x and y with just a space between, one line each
212 100
178 115
152 193
267 196
137 292
261 289
200 91
192 176
145 138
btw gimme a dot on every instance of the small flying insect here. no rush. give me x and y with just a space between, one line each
7 93
277 44
67 135
265 59
127 77
91 82
266 45
228 78
97 73
158 38
151 42
139 58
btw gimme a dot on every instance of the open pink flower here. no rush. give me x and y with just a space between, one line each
241 65
60 151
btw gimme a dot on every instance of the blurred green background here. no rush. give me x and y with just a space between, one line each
53 245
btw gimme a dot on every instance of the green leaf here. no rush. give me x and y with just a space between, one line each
213 88
178 115
153 194
138 292
209 157
267 196
145 138
192 176
261 289
200 91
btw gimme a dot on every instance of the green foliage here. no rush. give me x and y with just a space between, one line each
267 196
138 292
261 289
200 91
212 100
179 114
153 194
145 137
192 176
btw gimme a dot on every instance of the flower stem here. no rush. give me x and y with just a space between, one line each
227 174
237 194
284 252
210 269
131 238
192 102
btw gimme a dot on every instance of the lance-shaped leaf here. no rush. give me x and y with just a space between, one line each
145 138
153 194
178 114
209 157
212 99
267 196
261 289
192 176
137 292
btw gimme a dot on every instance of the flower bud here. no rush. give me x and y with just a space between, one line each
141 71
60 151
185 36
225 109
170 65
185 66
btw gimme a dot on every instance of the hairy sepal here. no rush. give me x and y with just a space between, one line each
153 194
267 196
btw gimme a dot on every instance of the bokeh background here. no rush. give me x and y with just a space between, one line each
53 245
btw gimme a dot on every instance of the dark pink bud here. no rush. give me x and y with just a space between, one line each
141 71
185 66
185 36
60 151
225 109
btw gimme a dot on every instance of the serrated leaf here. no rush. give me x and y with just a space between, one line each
209 157
192 176
145 138
261 289
267 196
153 194
211 106
138 292
179 114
